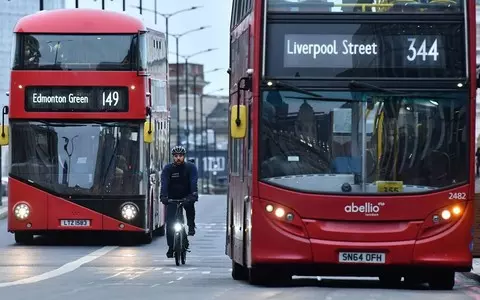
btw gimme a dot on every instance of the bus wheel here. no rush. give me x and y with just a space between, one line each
160 231
23 237
147 237
239 272
442 281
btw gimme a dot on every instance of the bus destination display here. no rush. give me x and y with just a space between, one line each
365 50
76 99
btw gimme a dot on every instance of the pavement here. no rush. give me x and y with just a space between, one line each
96 268
4 208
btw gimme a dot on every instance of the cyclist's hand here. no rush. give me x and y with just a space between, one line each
164 200
191 198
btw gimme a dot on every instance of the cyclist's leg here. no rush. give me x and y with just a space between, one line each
190 210
170 220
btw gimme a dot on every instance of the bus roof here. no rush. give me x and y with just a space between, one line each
78 20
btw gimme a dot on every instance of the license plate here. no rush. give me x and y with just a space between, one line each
361 257
75 223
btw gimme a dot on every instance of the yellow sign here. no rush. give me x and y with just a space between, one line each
389 186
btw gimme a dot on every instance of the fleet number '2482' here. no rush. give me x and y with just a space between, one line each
457 196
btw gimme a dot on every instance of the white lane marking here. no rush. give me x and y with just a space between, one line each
66 268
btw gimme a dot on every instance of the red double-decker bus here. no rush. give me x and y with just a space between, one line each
352 139
88 123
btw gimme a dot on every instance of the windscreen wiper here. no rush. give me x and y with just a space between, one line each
296 89
363 85
312 95
359 85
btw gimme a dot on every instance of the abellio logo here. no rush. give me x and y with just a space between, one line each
368 208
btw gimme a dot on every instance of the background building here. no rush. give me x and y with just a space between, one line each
206 135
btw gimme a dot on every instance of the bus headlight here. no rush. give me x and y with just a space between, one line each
129 211
177 227
22 211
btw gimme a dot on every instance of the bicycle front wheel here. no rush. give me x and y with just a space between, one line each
178 249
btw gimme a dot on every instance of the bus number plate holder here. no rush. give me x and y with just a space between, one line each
75 223
361 257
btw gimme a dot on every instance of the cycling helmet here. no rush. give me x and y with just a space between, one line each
178 150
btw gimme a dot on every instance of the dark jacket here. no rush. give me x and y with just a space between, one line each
179 181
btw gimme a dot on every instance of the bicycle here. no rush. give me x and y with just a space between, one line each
180 240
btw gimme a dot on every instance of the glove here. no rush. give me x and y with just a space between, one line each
164 200
192 198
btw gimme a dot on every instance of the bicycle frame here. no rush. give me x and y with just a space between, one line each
180 240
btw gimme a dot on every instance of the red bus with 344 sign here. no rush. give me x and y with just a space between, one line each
352 139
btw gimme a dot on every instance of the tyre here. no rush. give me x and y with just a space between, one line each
184 257
178 249
442 281
160 231
147 238
23 238
177 258
239 272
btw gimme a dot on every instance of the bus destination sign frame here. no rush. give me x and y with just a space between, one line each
373 50
76 99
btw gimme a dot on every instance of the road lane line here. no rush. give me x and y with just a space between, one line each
66 268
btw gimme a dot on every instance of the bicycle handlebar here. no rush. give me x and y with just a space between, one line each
177 200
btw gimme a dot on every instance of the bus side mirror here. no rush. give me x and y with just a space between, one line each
148 132
238 121
4 136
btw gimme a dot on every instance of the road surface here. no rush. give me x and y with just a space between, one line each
52 269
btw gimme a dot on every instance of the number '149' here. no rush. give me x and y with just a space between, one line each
110 98
422 50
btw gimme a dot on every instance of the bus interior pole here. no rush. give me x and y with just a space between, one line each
195 114
186 102
364 145
177 87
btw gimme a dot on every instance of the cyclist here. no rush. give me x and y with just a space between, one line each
179 180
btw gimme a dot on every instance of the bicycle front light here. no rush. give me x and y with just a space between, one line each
177 227
129 211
